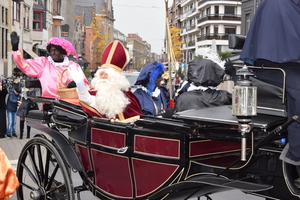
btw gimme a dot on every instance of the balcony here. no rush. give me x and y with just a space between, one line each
190 11
211 36
203 1
191 43
232 17
183 1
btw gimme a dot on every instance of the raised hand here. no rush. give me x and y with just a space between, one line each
78 77
14 39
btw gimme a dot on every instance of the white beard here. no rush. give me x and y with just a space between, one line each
110 98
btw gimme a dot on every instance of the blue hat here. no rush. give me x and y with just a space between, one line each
149 74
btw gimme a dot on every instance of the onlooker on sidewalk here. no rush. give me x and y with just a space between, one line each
3 93
24 108
177 81
13 102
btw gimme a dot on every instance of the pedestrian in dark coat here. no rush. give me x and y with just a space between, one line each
13 102
3 93
24 108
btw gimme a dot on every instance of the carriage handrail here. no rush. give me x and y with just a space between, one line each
272 68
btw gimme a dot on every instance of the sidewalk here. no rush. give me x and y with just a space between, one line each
13 147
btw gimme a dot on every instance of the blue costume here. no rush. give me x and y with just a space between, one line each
273 40
154 99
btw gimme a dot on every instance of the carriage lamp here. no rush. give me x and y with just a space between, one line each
244 100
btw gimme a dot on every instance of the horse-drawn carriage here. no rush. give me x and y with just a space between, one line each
194 154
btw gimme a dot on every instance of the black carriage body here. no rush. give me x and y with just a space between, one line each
159 158
195 154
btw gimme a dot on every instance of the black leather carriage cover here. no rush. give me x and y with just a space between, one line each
34 83
236 41
38 115
67 117
270 98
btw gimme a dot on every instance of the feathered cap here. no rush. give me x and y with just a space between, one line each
115 56
149 74
65 44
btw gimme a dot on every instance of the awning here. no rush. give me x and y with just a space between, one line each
31 53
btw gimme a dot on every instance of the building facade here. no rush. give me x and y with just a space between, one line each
140 52
202 21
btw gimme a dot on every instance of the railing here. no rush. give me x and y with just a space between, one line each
188 28
191 43
190 11
211 36
220 17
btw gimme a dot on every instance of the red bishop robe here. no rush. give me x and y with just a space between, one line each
133 109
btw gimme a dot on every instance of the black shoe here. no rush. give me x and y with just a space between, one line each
27 137
8 136
20 137
14 135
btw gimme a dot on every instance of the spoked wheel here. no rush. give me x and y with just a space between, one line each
42 172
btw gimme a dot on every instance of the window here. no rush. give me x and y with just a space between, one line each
3 15
216 10
6 19
3 44
57 7
230 30
208 11
229 10
16 11
26 16
207 30
216 29
56 31
37 20
247 24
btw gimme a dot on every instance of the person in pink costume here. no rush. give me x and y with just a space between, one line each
52 71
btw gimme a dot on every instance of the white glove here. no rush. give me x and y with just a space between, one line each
78 77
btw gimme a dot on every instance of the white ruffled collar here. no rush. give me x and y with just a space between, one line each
57 64
155 93
193 87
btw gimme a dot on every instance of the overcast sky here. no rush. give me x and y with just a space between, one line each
144 17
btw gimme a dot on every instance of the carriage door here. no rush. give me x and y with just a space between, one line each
156 157
111 168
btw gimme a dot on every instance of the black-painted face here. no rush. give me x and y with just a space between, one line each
55 54
158 80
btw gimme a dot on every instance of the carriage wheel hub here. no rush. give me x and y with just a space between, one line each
37 194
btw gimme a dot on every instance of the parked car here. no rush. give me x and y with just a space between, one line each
132 76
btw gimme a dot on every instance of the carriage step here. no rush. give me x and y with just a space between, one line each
234 184
205 185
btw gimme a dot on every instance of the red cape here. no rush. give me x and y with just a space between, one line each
132 109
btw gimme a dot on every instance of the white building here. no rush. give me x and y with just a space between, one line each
201 21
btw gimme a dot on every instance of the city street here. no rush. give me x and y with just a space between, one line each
13 147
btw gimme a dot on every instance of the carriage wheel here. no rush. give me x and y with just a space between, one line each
42 172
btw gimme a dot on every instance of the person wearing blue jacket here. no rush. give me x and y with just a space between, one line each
153 97
13 102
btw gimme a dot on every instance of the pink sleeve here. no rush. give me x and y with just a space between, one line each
30 67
